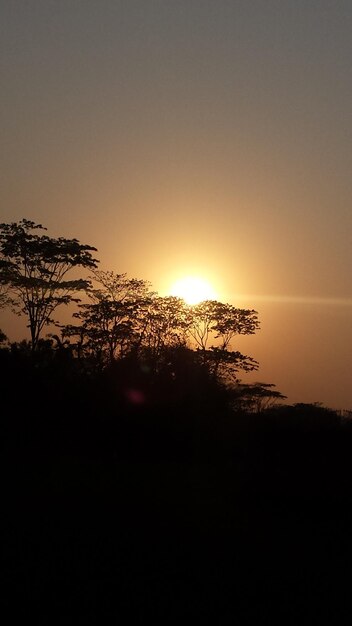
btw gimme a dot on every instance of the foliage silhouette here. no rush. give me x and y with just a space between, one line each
152 483
256 397
34 267
125 316
112 322
142 474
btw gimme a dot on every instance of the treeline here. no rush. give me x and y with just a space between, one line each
128 490
117 317
161 373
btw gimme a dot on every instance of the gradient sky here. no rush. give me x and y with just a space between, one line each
196 137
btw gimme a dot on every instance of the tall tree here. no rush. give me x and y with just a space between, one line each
215 320
211 320
165 327
112 321
34 269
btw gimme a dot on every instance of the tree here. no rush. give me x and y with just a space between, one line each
111 323
34 266
165 327
255 397
124 317
212 320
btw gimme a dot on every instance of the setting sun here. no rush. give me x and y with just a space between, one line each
193 290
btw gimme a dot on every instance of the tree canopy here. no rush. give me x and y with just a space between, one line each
122 318
33 269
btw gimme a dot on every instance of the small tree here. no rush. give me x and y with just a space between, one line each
255 397
34 266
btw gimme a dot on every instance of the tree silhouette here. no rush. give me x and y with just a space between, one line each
165 326
254 398
112 322
33 268
212 320
125 317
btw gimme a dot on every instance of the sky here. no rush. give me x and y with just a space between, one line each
194 137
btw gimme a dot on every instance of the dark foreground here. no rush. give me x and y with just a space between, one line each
150 515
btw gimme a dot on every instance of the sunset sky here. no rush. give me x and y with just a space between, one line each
196 137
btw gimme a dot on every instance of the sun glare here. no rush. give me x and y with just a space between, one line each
193 290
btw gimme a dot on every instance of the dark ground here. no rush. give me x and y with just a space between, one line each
151 515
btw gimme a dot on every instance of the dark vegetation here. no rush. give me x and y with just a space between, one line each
143 481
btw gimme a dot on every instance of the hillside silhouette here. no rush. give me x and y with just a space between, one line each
172 504
144 481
